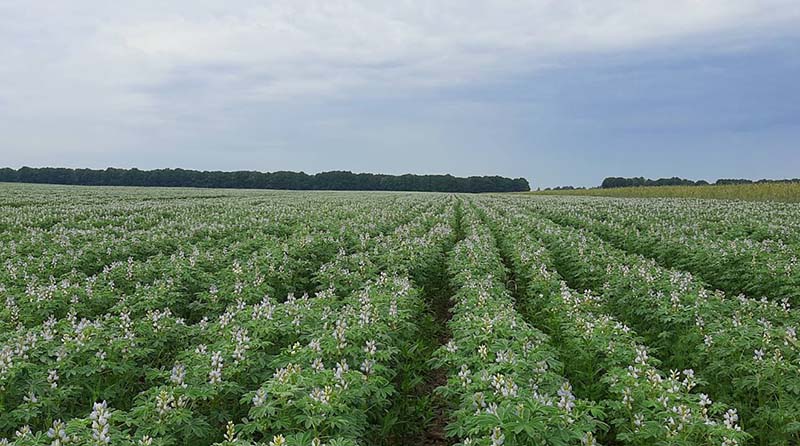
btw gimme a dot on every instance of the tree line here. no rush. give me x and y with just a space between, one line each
334 180
613 182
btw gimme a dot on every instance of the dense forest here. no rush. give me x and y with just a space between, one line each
335 180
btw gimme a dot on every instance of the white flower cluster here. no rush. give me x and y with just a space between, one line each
242 341
322 396
215 374
100 428
178 375
52 378
58 434
260 398
340 334
567 399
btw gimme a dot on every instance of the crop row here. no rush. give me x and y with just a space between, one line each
747 261
504 384
187 263
241 342
606 360
745 351
109 355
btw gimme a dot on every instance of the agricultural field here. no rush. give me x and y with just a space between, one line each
786 192
147 316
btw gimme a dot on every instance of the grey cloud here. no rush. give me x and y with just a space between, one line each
192 82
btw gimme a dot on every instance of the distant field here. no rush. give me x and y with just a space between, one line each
787 192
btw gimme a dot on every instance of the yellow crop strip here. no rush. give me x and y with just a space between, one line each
784 192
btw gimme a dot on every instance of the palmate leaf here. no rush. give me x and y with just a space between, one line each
792 427
196 428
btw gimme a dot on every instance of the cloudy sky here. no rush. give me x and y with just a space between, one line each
557 91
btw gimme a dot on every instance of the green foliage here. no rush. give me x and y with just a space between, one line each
744 351
208 317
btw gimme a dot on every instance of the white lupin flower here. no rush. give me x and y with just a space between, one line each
341 368
278 440
641 355
99 417
497 437
317 365
178 375
791 336
263 310
340 334
627 397
367 365
58 433
23 432
260 398
370 348
567 401
688 380
731 419
504 357
464 375
242 344
164 402
230 432
322 396
215 375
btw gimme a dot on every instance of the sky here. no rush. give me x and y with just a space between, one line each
561 92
